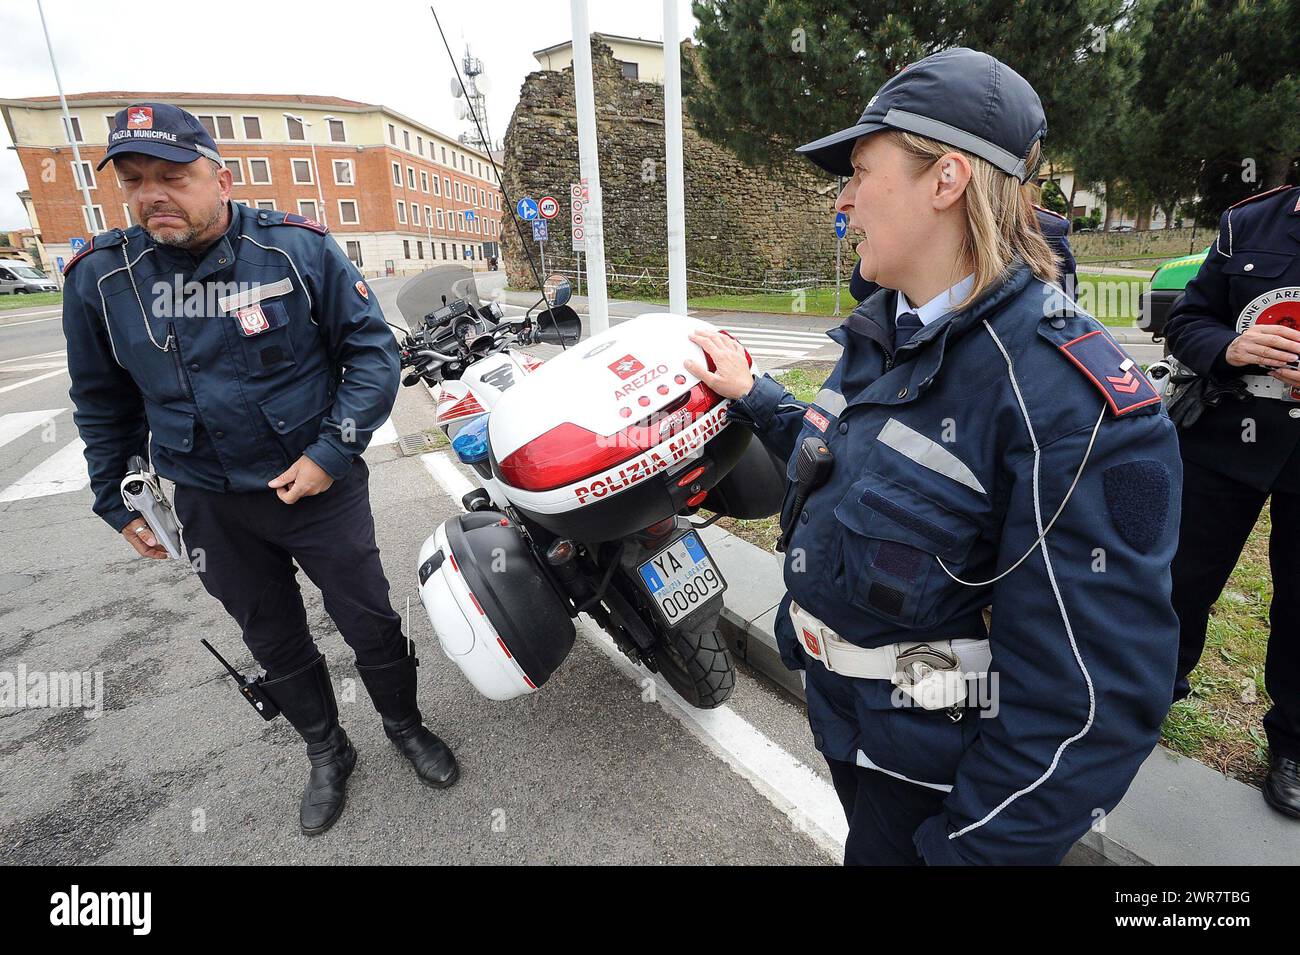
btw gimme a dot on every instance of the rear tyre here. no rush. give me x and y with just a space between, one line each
698 666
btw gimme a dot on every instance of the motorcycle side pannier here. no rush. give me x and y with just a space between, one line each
496 614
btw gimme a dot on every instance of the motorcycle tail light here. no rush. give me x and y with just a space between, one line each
568 452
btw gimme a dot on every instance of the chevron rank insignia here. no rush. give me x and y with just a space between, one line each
1115 374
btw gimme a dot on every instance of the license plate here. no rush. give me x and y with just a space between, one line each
681 578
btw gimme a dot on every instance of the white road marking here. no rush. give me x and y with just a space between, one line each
35 321
48 354
807 800
36 366
63 471
386 433
447 474
31 381
13 426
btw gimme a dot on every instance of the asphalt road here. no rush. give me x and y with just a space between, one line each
601 766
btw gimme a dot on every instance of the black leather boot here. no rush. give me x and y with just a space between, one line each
392 689
306 698
1282 786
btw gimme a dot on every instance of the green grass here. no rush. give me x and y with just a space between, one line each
10 302
1111 299
1219 724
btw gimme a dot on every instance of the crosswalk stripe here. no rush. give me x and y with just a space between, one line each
778 352
31 381
15 425
36 366
47 354
781 340
768 330
63 471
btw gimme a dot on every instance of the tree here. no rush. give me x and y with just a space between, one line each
773 75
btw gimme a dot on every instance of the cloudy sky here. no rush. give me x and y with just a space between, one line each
379 51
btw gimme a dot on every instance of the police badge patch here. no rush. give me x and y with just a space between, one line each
1279 306
362 290
252 320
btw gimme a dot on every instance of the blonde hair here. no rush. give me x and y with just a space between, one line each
1001 225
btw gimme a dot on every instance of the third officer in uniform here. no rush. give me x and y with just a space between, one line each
244 356
1238 325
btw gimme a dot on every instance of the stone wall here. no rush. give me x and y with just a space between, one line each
739 222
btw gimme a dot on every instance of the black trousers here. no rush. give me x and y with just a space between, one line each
883 813
1218 514
244 547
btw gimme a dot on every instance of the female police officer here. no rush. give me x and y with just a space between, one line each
987 444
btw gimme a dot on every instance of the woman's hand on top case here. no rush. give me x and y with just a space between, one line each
733 377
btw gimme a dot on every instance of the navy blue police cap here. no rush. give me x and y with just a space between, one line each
161 130
959 97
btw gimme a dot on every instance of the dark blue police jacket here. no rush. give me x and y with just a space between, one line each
278 349
1251 274
935 460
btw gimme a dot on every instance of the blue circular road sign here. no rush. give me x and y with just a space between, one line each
841 224
527 208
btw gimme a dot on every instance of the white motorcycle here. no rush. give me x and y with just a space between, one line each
592 464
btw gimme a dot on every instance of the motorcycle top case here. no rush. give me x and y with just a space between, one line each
614 434
495 612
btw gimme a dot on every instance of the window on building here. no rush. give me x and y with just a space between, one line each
252 127
410 176
130 219
406 141
259 171
354 252
406 248
343 173
415 214
446 187
348 211
457 188
225 127
455 251
392 134
630 71
436 190
444 248
74 132
444 162
294 126
337 134
301 171
419 249
424 181
265 203
397 174
441 223
419 145
428 216
85 173
307 207
94 219
236 167
109 120
469 251
401 212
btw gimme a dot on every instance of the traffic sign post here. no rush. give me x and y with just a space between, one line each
548 207
77 243
539 236
527 208
578 223
841 229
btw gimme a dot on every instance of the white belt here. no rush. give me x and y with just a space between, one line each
1266 386
933 672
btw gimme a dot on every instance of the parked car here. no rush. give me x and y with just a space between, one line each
1167 284
20 279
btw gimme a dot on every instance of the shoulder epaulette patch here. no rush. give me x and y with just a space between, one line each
292 218
1257 196
104 240
1039 208
1116 375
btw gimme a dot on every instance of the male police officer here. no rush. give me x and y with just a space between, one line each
244 356
1238 324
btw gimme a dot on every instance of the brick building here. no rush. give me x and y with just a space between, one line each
396 194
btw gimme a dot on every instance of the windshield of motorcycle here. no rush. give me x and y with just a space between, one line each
426 292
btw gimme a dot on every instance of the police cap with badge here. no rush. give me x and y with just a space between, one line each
159 130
